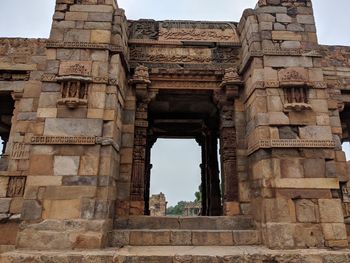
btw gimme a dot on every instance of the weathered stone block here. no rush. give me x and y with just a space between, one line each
32 210
88 240
8 234
69 192
61 209
314 168
200 238
5 205
312 132
145 238
181 238
280 235
89 165
41 165
66 165
284 18
281 61
100 36
73 127
302 118
334 231
292 168
92 8
331 211
246 238
307 211
306 19
279 210
76 16
3 186
308 236
286 35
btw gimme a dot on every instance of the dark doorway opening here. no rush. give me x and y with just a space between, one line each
188 115
6 111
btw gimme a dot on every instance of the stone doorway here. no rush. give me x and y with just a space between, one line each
179 114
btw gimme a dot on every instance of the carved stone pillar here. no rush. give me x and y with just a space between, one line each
213 180
140 82
225 101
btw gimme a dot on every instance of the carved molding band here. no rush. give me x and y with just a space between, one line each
84 140
84 45
14 75
185 85
97 80
266 144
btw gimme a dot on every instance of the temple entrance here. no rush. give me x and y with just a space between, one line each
182 115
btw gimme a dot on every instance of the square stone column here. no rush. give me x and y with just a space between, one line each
292 146
74 157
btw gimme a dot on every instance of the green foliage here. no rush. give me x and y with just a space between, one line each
176 210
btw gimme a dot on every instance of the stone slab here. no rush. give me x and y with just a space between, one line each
302 183
73 127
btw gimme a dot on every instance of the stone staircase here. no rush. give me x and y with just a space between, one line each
184 231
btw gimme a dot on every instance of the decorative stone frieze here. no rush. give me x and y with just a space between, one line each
289 143
57 140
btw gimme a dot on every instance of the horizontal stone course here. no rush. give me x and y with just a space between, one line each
172 254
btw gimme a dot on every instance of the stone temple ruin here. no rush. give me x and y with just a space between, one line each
81 110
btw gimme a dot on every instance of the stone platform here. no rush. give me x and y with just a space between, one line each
189 254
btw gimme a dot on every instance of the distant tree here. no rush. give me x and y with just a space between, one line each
198 194
177 209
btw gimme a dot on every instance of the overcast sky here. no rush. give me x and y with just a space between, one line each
176 171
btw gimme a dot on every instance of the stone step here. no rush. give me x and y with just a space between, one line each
188 254
166 237
181 223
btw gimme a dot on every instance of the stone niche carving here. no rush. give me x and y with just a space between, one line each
16 186
294 82
74 91
296 98
75 78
